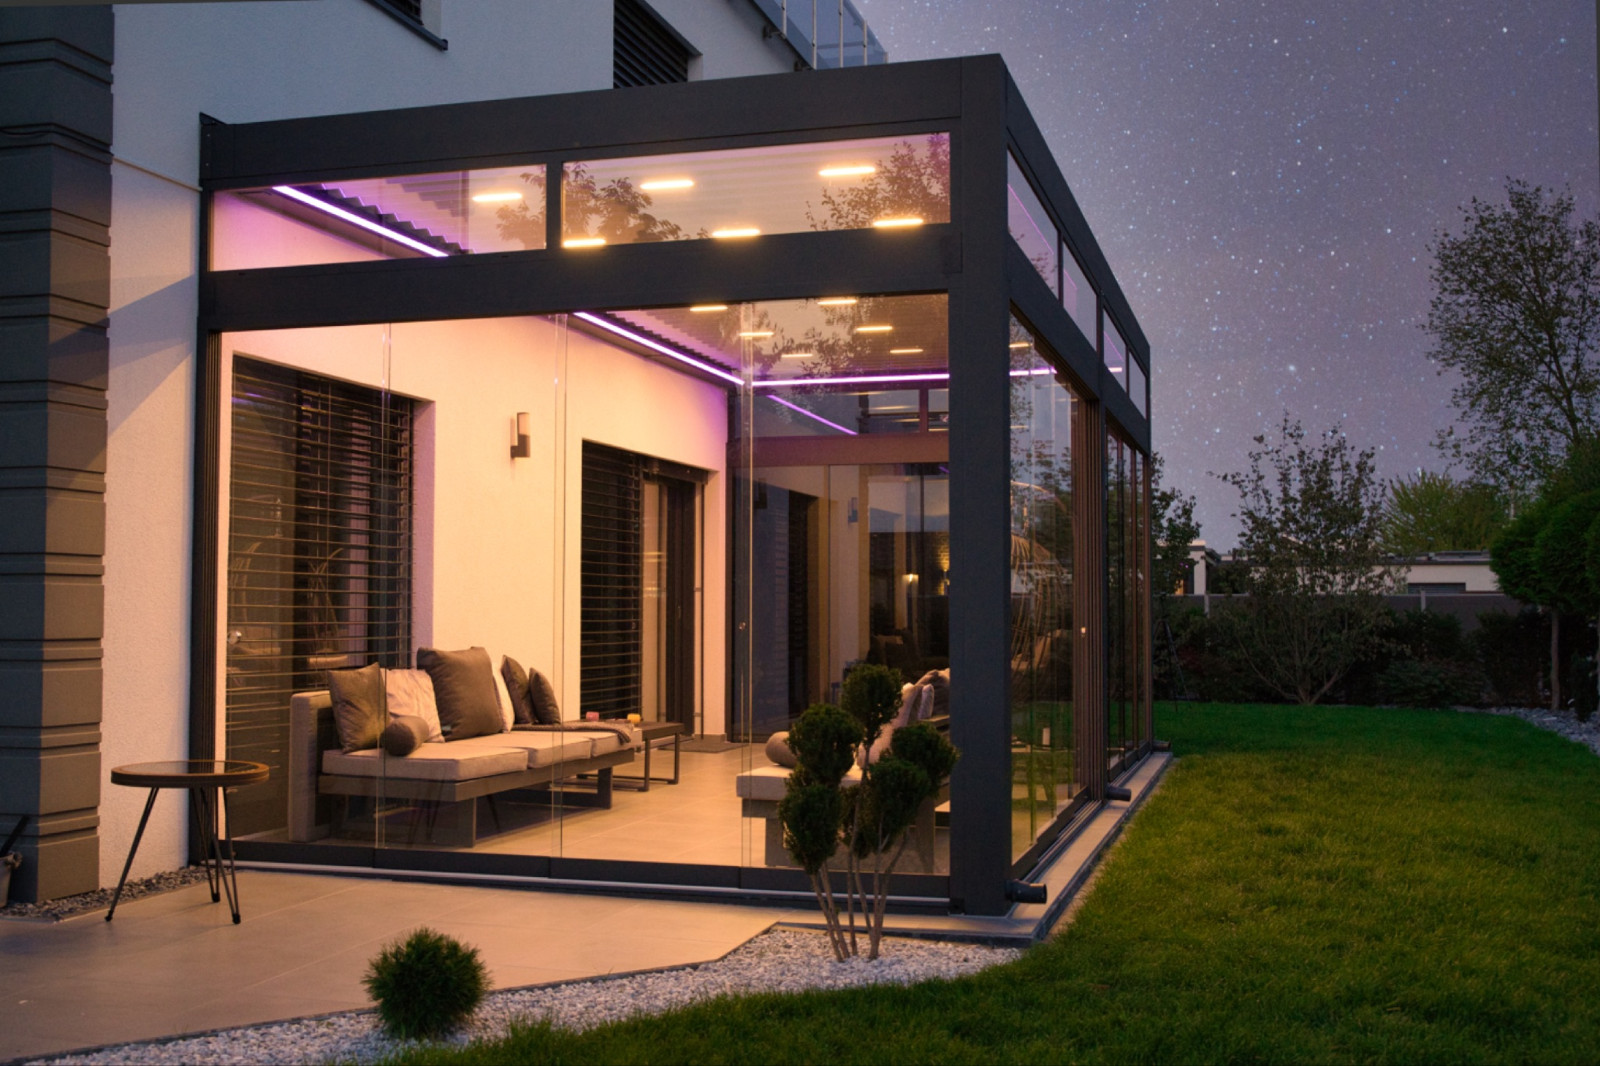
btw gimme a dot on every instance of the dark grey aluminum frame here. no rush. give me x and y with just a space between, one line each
972 258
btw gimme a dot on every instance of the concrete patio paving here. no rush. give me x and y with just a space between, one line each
176 963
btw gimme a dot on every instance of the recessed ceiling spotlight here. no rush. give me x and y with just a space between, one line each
853 171
706 309
838 301
905 351
583 242
666 183
737 231
497 197
1020 344
874 329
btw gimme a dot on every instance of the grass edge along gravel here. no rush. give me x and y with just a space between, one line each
1343 884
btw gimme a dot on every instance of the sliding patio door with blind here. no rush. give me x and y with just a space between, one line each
640 558
319 555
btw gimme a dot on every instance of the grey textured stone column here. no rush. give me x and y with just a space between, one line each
55 281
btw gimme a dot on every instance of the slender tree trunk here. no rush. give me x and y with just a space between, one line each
1555 660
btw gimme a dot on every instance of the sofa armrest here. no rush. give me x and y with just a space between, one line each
310 719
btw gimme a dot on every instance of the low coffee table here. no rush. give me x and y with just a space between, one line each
206 781
650 732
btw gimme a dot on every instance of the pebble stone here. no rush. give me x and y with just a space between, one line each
780 960
1563 723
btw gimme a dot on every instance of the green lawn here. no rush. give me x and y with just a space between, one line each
1323 885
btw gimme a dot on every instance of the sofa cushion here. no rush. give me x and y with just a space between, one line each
771 782
502 697
543 697
463 687
546 749
516 679
410 692
404 734
431 762
358 706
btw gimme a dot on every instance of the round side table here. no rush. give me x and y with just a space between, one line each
205 780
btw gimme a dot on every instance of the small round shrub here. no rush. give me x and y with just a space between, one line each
426 985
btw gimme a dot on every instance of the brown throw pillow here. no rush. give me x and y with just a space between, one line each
359 710
404 734
517 684
545 709
463 688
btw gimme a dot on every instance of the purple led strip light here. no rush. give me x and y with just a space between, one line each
698 364
350 216
656 346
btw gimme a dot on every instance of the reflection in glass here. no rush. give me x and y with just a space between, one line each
1115 351
1041 593
1076 294
886 183
1127 631
1137 387
465 212
1030 224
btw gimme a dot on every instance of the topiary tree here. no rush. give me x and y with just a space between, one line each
824 741
820 813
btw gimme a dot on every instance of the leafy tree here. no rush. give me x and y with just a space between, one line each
1317 574
1516 313
1561 550
1535 565
1433 512
1173 527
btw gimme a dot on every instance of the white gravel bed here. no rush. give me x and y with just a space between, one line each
69 906
1564 722
780 960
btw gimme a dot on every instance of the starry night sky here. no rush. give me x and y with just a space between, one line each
1266 179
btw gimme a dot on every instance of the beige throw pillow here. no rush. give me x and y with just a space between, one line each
410 693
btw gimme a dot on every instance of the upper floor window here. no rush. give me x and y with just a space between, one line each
644 49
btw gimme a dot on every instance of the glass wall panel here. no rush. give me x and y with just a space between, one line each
842 519
1077 296
888 183
1031 226
1127 606
1119 684
1114 350
1041 593
463 212
1138 387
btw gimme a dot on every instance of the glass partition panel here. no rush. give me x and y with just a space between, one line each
1114 351
888 183
842 527
1031 226
1138 388
1041 593
1077 295
1125 615
461 212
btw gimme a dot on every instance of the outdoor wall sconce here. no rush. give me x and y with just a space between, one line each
523 448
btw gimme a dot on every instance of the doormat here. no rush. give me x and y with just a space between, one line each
709 745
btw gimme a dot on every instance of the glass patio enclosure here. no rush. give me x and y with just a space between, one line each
691 407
